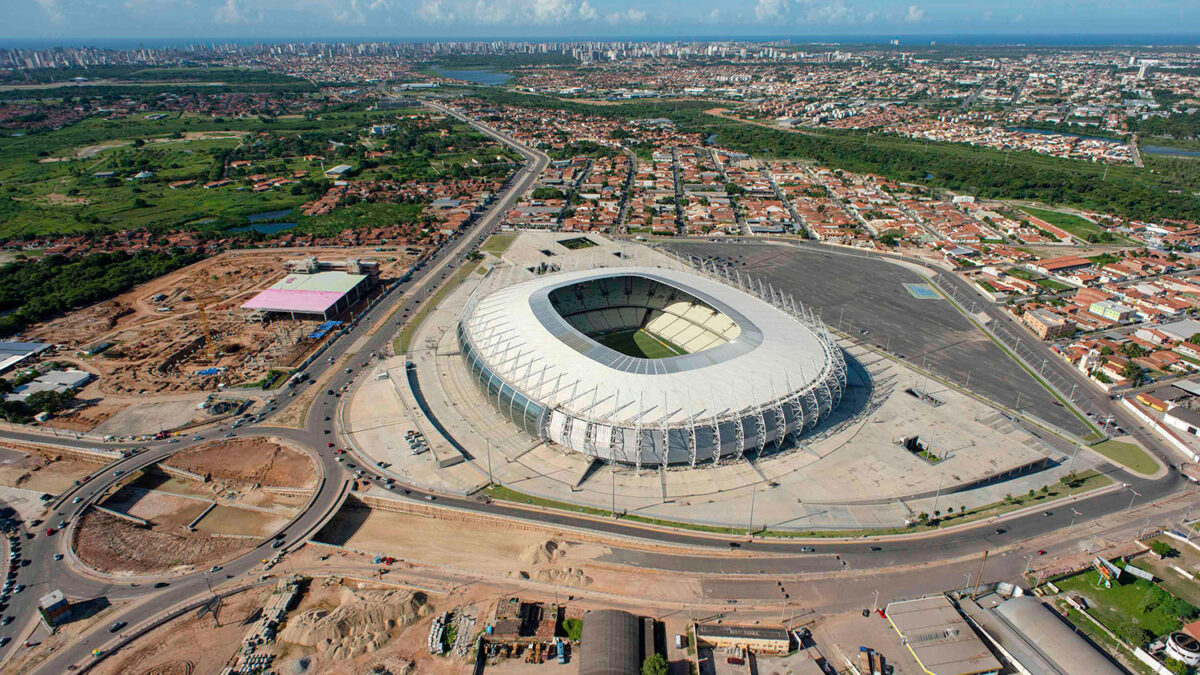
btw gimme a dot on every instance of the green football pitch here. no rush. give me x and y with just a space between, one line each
640 344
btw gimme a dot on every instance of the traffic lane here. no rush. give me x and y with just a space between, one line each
1085 391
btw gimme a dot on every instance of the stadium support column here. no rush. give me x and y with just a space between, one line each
780 419
739 429
716 431
666 433
760 425
691 432
616 438
797 409
637 431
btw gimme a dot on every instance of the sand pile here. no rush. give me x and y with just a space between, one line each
361 623
567 576
543 553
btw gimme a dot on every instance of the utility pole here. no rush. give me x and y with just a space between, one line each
613 469
750 523
875 605
491 481
979 576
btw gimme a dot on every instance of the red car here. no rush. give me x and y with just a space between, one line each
50 531
1041 552
330 445
339 451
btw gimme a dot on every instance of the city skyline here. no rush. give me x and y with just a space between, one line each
55 20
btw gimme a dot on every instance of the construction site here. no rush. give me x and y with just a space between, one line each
200 508
189 332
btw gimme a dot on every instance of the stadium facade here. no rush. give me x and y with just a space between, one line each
742 369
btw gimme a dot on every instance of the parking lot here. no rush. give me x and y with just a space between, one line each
868 299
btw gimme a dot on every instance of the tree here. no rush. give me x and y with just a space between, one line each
655 664
1133 633
1133 372
1163 549
1195 339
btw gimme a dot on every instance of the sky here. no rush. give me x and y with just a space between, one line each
77 21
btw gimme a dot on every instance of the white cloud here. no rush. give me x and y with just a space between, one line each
433 12
915 14
52 10
770 10
715 16
1020 18
234 12
629 16
838 12
540 12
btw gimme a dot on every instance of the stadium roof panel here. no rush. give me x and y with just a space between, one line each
775 354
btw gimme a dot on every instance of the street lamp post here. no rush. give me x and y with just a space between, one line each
750 523
1028 562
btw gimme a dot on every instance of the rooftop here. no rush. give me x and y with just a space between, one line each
939 638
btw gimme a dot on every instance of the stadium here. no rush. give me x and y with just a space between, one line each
650 366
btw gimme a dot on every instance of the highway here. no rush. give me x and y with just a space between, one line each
44 574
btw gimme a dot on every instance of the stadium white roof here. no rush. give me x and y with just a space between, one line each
518 332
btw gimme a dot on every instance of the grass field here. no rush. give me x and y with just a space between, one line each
1128 455
59 182
640 344
1079 227
497 244
1137 601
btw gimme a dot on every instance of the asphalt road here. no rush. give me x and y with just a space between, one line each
43 574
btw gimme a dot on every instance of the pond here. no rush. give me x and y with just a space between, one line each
265 228
1163 150
258 224
486 77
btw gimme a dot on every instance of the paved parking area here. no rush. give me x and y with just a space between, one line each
860 293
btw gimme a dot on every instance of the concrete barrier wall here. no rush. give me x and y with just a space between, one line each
280 490
1161 429
123 516
180 473
87 454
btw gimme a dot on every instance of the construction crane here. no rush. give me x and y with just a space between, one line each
200 308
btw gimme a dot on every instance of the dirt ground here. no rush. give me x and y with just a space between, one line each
188 644
88 614
482 547
406 650
159 329
117 546
250 461
41 470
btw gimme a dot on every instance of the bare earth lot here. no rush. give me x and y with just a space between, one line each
252 460
189 645
116 546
